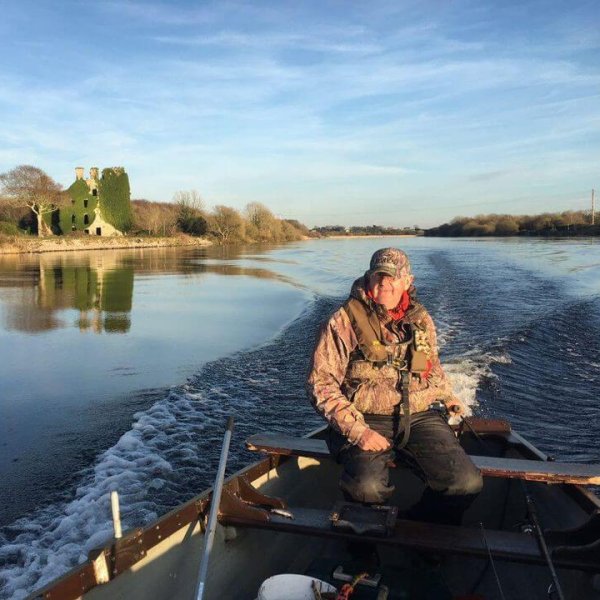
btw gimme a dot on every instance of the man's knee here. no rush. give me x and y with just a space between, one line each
465 482
369 488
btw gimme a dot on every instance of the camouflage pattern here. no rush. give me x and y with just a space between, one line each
344 389
390 261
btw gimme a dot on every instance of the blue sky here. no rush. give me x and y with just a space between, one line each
385 112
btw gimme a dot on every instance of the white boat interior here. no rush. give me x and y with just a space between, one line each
494 554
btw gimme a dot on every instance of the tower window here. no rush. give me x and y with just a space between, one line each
86 219
85 203
94 192
72 218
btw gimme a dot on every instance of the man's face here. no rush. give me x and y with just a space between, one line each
388 290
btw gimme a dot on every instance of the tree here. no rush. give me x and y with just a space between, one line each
191 199
31 187
266 226
157 218
191 217
226 223
507 226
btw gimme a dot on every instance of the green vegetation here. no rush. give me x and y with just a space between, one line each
73 216
7 228
115 195
568 223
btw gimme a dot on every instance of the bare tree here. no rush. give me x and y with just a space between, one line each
189 199
227 224
267 226
30 186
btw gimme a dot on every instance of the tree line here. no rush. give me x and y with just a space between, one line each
29 196
188 214
567 223
329 230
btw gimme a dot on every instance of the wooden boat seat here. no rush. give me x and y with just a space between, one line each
513 468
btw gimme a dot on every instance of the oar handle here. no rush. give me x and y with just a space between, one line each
211 525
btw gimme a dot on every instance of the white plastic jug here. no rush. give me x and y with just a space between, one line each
291 587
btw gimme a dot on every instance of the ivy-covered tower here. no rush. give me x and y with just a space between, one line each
99 205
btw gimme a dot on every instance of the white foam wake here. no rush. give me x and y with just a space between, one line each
59 536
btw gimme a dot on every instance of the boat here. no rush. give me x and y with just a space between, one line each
533 532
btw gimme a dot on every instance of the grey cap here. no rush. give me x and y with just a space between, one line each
390 261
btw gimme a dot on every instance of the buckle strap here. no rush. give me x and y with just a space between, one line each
405 381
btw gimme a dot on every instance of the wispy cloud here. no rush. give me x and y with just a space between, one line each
167 13
285 100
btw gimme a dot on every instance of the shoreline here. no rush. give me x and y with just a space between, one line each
43 245
379 235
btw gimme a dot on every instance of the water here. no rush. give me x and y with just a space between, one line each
118 369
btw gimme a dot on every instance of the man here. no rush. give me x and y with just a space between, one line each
375 372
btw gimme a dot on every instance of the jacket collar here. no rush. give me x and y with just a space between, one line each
359 291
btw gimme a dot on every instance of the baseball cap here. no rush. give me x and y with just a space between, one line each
390 261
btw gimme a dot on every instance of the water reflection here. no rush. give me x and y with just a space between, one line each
98 287
38 293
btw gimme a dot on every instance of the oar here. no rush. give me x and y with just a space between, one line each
211 526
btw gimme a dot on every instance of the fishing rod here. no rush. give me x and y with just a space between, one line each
491 560
211 526
533 516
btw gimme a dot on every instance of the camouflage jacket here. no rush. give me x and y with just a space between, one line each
343 388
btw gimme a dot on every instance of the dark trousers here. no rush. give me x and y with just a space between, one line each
432 452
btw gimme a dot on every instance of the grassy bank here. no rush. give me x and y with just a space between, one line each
32 245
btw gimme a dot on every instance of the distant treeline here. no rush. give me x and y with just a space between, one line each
365 230
187 214
30 199
568 223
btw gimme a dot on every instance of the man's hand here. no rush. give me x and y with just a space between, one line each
371 441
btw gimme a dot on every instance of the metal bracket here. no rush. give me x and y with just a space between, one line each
371 581
241 500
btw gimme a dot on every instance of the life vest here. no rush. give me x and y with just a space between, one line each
376 358
410 355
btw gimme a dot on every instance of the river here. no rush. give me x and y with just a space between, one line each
118 368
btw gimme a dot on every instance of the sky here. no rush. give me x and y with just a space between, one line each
394 113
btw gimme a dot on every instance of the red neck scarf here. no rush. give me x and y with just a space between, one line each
400 310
